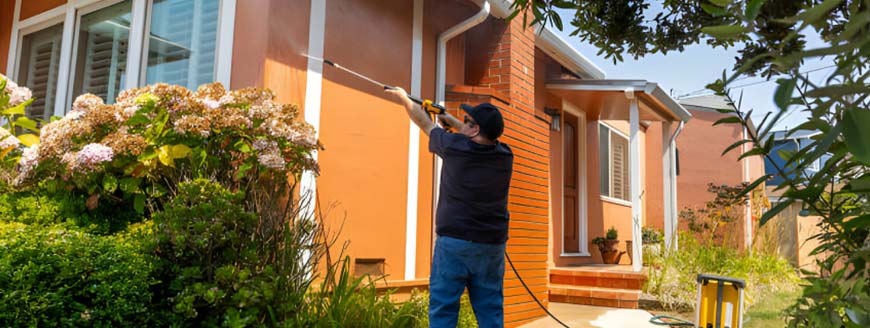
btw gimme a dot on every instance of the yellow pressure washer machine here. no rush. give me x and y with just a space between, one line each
720 304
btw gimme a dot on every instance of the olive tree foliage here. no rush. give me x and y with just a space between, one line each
771 40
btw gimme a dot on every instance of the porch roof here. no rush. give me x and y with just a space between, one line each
608 100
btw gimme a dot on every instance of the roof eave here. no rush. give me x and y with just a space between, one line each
554 45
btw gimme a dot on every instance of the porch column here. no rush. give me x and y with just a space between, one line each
668 190
635 182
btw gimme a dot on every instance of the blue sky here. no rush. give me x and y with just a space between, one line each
689 71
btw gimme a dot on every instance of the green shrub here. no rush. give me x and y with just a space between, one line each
612 234
53 276
346 301
672 275
466 313
42 206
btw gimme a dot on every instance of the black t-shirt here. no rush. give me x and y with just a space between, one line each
475 179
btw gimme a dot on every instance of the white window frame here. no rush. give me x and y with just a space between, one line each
582 192
70 14
15 46
612 130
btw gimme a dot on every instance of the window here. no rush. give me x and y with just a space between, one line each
613 160
182 41
38 67
112 45
101 61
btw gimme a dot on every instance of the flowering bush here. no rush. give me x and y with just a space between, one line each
139 148
13 100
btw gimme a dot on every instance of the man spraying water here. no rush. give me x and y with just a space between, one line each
472 216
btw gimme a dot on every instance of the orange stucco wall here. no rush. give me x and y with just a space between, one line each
269 35
654 196
7 12
30 8
701 161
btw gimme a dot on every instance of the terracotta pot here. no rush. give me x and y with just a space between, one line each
610 254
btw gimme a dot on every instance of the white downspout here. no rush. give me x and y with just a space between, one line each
440 87
747 211
672 207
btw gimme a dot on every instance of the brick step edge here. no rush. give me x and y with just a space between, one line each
596 292
604 282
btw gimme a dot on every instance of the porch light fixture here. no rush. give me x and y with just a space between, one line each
554 118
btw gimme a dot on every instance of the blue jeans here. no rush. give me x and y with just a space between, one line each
458 264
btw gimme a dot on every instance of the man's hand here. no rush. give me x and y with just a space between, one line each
417 114
401 96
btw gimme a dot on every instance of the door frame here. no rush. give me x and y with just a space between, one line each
582 192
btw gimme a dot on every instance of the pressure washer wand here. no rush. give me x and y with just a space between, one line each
426 104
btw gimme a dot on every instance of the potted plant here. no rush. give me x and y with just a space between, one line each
610 254
652 240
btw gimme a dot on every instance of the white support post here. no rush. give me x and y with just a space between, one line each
635 181
747 208
63 91
414 146
667 178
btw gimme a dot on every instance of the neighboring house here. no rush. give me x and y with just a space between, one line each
590 153
785 142
701 161
792 231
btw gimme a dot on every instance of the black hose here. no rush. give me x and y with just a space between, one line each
530 291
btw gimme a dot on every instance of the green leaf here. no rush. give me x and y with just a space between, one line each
110 183
724 32
28 139
782 96
130 185
243 170
139 203
721 3
857 222
752 9
147 155
157 190
861 184
17 110
752 152
856 132
179 151
716 11
724 110
785 154
163 155
557 21
752 185
836 90
735 145
138 119
819 11
26 123
769 214
727 120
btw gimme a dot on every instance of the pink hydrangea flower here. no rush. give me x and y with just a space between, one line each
9 142
29 160
93 154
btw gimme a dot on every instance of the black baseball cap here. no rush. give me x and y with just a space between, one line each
487 117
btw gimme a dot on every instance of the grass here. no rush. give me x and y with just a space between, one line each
768 311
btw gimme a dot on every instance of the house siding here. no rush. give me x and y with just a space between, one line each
7 14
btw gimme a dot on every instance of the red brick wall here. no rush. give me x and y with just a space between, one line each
508 82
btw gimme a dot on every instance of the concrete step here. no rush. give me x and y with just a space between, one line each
596 296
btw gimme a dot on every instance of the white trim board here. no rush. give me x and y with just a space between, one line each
582 183
313 93
414 147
